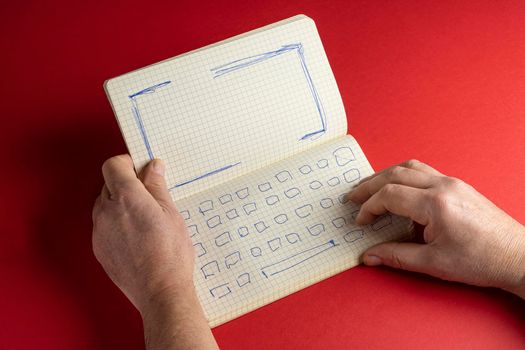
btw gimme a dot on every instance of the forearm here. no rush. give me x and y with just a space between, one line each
176 321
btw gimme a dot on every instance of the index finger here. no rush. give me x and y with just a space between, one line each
394 175
409 164
118 172
397 199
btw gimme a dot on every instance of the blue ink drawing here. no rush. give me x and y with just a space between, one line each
138 118
298 48
381 222
220 291
213 172
297 259
140 124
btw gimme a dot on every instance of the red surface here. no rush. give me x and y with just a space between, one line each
440 81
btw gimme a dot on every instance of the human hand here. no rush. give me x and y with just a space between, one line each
468 239
139 237
142 242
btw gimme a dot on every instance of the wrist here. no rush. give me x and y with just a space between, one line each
174 319
514 266
165 297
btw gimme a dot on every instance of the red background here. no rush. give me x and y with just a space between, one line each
440 81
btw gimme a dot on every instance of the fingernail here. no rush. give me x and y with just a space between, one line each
358 219
350 196
158 167
372 260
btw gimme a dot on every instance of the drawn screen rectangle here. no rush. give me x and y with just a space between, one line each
231 108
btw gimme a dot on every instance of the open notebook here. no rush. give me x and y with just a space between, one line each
253 132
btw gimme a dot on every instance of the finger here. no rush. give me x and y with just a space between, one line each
409 164
394 175
420 166
153 179
118 172
406 256
397 199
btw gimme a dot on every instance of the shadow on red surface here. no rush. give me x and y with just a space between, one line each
68 158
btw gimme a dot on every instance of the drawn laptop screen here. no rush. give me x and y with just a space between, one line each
232 108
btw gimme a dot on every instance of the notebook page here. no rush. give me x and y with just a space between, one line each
267 234
226 110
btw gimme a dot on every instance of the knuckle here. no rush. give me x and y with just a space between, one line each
389 190
394 257
154 184
395 173
110 163
441 200
455 184
412 163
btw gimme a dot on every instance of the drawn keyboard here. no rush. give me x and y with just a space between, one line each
267 234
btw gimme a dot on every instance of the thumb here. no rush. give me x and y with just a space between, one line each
153 179
406 256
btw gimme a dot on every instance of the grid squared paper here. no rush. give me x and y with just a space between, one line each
248 129
209 129
217 247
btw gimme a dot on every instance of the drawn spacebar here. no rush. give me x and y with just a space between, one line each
296 259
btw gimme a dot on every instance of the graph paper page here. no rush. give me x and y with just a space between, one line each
228 109
267 234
